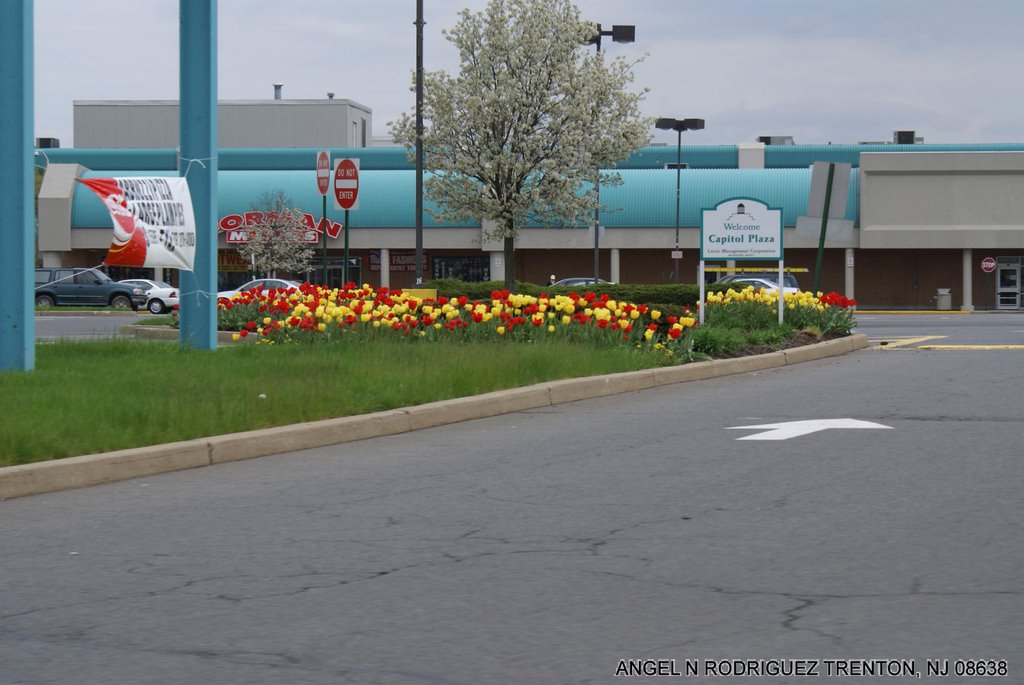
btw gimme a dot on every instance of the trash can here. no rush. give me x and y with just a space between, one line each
943 300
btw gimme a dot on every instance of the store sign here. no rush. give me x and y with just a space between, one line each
400 261
741 229
230 260
236 227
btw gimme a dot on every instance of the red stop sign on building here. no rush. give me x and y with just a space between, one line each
346 184
988 265
323 171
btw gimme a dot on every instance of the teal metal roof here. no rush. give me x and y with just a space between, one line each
102 159
228 159
696 156
647 196
396 159
370 158
387 199
802 156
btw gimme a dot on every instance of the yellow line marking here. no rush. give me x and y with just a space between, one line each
903 342
971 347
916 312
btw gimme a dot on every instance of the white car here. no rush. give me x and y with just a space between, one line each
265 283
762 281
160 296
582 280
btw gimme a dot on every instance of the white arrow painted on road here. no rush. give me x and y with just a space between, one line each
793 429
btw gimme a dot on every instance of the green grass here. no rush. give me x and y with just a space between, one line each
96 396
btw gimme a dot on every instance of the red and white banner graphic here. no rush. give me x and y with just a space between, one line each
153 221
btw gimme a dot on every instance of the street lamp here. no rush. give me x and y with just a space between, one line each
619 34
419 146
678 125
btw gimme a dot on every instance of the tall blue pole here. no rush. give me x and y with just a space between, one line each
17 186
198 163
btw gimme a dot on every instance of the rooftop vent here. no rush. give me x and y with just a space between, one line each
277 90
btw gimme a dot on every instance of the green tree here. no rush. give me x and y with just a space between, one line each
278 242
534 112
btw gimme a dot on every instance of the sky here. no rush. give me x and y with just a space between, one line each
820 71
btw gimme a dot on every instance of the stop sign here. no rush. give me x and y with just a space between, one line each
323 171
988 265
346 184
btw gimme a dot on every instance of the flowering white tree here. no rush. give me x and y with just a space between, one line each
520 133
278 241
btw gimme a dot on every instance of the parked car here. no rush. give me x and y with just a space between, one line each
584 280
160 296
265 283
767 281
84 286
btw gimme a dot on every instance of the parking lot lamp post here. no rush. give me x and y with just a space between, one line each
678 125
619 34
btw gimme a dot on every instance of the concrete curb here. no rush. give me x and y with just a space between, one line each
93 312
143 332
93 469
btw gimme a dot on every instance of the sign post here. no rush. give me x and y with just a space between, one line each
830 183
742 229
346 197
323 184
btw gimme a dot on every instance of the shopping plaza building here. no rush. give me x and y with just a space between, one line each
924 225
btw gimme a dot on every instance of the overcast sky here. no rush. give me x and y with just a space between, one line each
840 71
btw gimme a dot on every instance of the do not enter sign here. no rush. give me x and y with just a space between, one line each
323 171
988 265
346 184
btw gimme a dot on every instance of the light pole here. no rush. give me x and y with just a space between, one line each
419 145
619 34
678 125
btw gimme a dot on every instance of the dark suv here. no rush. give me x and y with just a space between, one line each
68 285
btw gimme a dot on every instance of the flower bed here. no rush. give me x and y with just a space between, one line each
314 313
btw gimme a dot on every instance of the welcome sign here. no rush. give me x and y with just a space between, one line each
741 229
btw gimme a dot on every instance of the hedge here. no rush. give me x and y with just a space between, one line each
668 297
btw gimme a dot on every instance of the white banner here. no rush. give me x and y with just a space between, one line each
154 224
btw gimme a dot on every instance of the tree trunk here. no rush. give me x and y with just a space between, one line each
510 263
